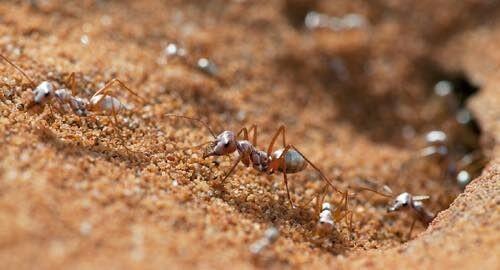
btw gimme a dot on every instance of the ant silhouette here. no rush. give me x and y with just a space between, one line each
287 160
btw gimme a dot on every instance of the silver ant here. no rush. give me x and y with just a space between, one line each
437 146
436 141
101 102
328 219
270 236
412 204
287 160
179 54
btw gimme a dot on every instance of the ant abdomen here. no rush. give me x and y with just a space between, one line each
293 160
106 104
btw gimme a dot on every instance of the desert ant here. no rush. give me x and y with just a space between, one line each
437 147
436 141
405 201
287 160
327 219
101 102
177 53
270 236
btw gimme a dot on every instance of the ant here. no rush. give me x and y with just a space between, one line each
270 236
179 54
436 141
101 103
327 219
437 146
287 160
405 201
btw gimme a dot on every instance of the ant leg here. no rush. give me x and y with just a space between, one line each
281 160
115 127
411 228
232 169
281 129
20 70
254 139
341 206
114 113
110 83
320 197
351 214
347 212
321 200
71 82
286 185
323 176
245 133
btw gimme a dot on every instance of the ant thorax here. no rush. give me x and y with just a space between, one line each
43 92
250 155
402 200
260 160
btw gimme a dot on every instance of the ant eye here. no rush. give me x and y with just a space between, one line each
226 144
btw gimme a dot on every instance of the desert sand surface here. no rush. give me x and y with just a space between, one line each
357 97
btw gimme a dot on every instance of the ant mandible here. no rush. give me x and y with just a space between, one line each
287 160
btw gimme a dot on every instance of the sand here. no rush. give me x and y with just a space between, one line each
358 102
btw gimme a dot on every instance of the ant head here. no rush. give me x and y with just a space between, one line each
43 92
224 144
402 200
80 106
436 137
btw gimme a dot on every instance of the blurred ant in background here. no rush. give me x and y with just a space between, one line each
177 53
459 167
287 160
270 236
456 151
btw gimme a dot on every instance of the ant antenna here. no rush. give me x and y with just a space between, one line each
196 120
18 69
374 191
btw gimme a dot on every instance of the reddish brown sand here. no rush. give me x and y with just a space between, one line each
71 195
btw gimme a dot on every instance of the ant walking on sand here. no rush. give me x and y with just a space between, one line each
327 219
101 102
405 201
287 160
